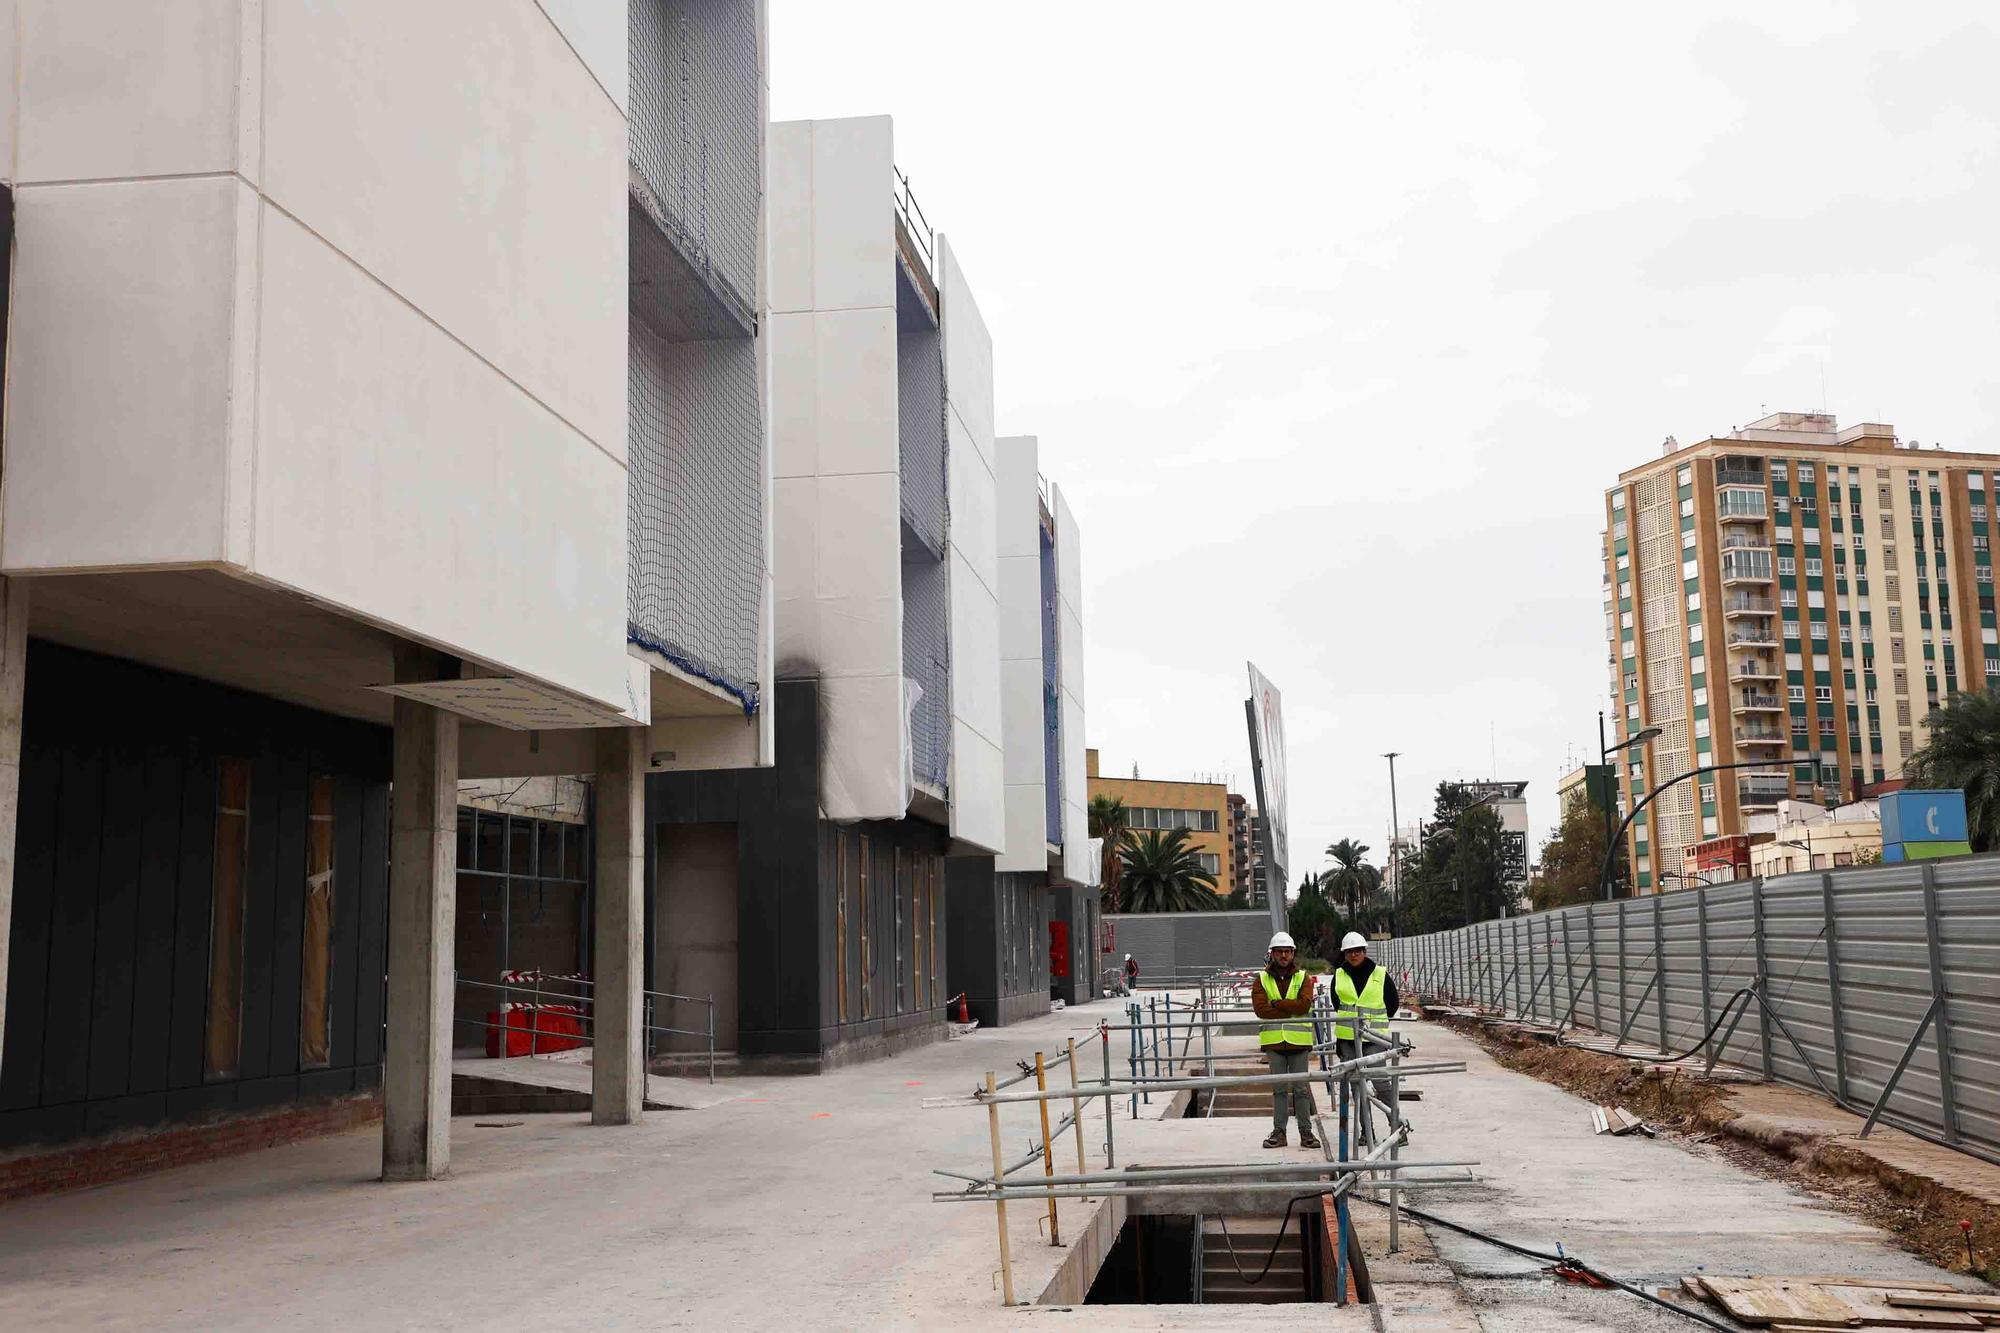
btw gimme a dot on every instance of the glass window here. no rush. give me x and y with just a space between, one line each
223 1039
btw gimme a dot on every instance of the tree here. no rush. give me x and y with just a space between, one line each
1348 884
1312 922
1459 876
1109 821
1963 753
1164 874
1572 860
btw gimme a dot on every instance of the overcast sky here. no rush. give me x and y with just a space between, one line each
1336 319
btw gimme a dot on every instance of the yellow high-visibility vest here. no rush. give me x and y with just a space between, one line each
1368 1001
1285 1034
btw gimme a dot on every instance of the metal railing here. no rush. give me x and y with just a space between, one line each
911 214
1738 476
531 991
1351 1083
1872 984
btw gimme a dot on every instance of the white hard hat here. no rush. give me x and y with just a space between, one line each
1281 941
1353 940
1128 957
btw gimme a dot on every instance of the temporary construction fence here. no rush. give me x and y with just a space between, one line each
1878 986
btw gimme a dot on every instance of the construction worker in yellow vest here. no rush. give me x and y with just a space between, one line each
1283 998
1366 994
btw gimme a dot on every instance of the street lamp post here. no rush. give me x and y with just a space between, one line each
1610 852
1604 753
1395 852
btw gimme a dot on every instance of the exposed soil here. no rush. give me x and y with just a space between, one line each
1918 1211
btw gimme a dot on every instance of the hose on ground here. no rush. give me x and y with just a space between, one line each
1571 1260
1276 1244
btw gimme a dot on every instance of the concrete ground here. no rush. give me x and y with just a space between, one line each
808 1199
1648 1211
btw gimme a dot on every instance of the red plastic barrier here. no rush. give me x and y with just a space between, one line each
534 1029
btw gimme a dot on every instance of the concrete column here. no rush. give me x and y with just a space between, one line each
618 1060
423 894
13 677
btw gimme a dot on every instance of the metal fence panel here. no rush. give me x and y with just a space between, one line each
1851 962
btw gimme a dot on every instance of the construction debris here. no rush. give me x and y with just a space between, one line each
1617 1120
1791 1304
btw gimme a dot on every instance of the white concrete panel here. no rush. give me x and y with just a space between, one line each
10 102
596 30
400 478
865 767
968 350
1021 722
1021 610
861 636
1016 467
461 153
790 341
788 203
1069 552
853 206
120 362
969 487
978 793
1026 841
854 382
109 88
1079 864
859 540
795 540
975 653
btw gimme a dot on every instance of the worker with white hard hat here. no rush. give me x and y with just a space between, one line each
1364 994
1283 998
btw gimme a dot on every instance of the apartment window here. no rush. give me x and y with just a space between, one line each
1808 507
1684 476
1797 693
1983 574
1624 562
1632 680
1979 513
1813 567
1210 861
1993 666
1782 503
1871 694
1786 565
1788 597
1867 632
223 1040
1819 630
1625 619
1780 470
1618 499
1823 693
1930 668
1846 635
1687 507
1805 472
1979 541
1826 726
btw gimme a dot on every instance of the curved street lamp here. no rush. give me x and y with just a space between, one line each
1611 850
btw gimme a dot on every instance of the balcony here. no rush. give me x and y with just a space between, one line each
1740 569
1741 507
1755 669
1726 475
1753 637
1761 736
1746 541
1752 702
1762 789
1748 606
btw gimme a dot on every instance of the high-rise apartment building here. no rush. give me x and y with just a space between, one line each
1792 597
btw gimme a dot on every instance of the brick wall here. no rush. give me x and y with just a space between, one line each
33 1171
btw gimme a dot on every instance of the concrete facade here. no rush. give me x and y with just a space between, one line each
321 387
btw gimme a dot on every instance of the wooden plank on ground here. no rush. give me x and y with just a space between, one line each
1872 1305
1942 1300
1762 1300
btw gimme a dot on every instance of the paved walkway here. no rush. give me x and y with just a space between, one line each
806 1201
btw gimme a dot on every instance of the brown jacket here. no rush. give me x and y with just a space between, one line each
1268 1008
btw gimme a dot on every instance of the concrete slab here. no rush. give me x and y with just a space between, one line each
573 1075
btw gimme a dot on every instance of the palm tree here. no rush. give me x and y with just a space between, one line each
1108 821
1963 752
1164 874
1346 882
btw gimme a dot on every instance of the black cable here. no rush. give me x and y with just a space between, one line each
1705 1037
1564 1259
1272 1257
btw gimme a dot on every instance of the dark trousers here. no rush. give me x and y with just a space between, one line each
1363 1124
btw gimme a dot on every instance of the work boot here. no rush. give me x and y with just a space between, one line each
1276 1139
1307 1139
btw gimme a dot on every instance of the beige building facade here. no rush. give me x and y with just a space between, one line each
1792 597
